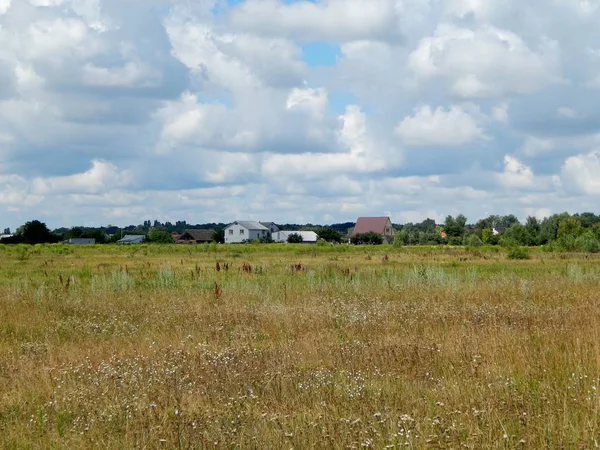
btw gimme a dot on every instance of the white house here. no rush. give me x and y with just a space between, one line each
245 230
308 237
271 226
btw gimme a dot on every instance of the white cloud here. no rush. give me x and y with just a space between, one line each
4 6
516 174
582 173
101 177
296 111
336 20
440 127
485 62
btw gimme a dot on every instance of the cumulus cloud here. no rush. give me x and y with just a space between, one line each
296 110
440 127
516 174
582 173
485 62
328 20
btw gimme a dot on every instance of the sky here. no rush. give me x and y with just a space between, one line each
120 111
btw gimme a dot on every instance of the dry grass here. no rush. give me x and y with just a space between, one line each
297 348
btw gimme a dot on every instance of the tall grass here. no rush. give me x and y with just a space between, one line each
297 347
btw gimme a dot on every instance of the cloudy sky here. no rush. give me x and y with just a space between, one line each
118 111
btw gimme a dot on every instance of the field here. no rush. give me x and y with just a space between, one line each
297 347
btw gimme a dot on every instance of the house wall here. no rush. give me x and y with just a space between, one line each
233 234
389 229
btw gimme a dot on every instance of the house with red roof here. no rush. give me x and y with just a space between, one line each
379 225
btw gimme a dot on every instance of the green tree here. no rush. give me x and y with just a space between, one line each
74 233
569 227
160 237
455 227
295 238
36 232
549 227
329 235
219 236
587 219
587 242
487 236
367 239
532 225
517 234
399 239
474 241
98 235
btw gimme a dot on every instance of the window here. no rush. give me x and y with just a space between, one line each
264 232
241 231
231 232
387 231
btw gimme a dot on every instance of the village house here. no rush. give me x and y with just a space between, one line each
380 225
246 230
270 226
196 236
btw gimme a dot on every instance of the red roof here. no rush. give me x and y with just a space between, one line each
370 224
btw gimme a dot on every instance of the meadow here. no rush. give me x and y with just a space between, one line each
291 346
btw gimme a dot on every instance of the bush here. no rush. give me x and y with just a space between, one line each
367 238
473 241
455 240
295 238
398 240
587 243
518 253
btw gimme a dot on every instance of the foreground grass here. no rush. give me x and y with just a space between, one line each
297 347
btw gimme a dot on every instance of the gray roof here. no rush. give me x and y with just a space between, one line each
80 241
250 225
132 239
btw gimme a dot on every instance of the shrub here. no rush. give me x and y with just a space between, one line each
518 253
398 240
473 241
295 238
587 243
367 238
455 240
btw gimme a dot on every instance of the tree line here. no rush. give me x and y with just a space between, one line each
577 232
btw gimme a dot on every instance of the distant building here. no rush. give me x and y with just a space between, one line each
245 230
132 239
379 225
308 237
196 237
270 226
79 241
5 236
496 231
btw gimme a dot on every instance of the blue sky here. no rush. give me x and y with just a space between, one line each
296 111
